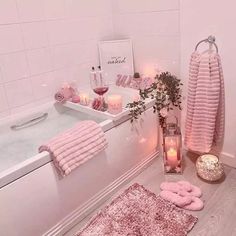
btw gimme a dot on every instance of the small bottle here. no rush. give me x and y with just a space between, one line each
100 75
93 76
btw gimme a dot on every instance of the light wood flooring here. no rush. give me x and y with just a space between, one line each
218 218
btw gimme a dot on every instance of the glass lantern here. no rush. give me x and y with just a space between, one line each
172 153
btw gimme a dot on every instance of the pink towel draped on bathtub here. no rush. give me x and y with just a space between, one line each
204 130
75 146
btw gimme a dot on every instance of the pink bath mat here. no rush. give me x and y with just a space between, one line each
139 212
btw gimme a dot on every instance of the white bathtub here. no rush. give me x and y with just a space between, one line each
34 200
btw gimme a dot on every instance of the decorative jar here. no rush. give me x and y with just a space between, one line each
209 167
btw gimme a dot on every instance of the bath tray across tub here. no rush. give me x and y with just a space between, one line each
104 115
90 111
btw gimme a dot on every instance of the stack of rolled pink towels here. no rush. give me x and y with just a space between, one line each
67 93
182 194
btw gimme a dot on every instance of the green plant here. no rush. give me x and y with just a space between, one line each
165 90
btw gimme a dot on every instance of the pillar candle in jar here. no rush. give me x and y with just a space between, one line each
172 159
114 104
84 99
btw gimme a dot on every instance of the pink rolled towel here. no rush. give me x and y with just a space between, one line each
65 94
75 146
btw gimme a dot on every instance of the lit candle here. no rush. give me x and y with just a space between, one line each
172 159
209 158
84 99
114 104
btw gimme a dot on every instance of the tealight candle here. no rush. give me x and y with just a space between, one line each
209 158
172 159
114 104
84 99
209 167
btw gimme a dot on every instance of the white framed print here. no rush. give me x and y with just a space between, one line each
116 57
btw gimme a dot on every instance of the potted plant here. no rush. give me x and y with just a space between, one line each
165 90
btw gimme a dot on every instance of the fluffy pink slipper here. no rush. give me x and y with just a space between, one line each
176 199
194 190
174 187
195 205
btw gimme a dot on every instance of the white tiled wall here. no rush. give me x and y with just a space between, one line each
153 26
44 43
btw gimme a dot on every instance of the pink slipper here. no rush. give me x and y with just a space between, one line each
195 205
194 190
175 198
174 187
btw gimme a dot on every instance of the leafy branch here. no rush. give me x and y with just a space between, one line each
165 90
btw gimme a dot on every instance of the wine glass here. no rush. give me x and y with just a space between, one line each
99 84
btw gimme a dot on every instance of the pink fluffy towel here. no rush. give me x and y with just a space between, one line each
75 146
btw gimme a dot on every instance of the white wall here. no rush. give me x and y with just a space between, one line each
153 25
46 42
198 20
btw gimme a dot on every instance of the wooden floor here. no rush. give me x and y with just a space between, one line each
218 218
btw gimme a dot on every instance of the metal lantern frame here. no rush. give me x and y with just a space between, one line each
172 148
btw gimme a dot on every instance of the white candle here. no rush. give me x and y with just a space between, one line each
114 104
172 159
84 99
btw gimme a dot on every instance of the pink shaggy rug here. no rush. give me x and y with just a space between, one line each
139 212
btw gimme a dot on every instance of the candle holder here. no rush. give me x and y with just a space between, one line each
172 153
114 104
209 168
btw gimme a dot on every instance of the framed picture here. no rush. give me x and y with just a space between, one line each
116 57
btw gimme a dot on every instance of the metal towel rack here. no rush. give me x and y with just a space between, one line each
211 40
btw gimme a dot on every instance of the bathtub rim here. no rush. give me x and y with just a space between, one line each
25 167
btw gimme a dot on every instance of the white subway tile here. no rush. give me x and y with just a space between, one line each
153 47
19 93
58 32
143 24
43 86
133 6
71 54
3 100
35 34
10 38
30 10
14 66
39 60
8 12
76 9
54 9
